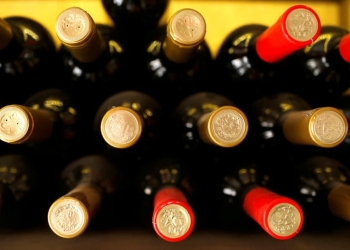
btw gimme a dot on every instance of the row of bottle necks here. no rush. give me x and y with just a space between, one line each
174 61
174 194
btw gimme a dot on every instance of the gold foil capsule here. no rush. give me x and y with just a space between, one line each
121 127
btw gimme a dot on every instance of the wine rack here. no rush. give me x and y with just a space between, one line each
222 16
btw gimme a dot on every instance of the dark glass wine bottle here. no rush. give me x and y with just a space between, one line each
88 181
247 186
22 190
321 186
27 57
166 192
325 66
285 120
178 60
92 59
252 59
207 121
47 122
135 18
128 122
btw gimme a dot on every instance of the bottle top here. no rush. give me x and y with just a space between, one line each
280 216
328 127
15 123
77 31
186 29
291 216
121 127
325 127
68 217
227 126
5 33
298 27
344 48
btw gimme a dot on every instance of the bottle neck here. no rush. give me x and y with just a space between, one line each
6 34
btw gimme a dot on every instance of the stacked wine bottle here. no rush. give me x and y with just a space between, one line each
103 126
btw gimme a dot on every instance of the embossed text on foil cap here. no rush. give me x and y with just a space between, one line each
227 126
14 123
121 127
328 127
186 30
173 221
73 26
68 217
284 219
302 24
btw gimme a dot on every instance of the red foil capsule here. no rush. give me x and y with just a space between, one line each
173 218
279 216
298 27
344 48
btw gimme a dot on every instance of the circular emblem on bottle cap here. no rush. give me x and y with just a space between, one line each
228 126
121 127
68 217
173 221
284 219
329 127
73 25
14 123
302 24
187 27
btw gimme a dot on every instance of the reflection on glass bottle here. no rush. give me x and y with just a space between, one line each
178 60
247 185
128 120
166 188
87 181
135 18
207 120
285 119
321 186
252 58
47 121
27 58
325 66
20 179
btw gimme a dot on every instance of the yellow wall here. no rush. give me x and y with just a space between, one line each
221 16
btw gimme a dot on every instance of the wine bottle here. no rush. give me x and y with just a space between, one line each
178 60
91 56
27 58
128 122
246 187
165 190
208 121
141 17
253 57
47 122
87 182
321 186
325 66
285 120
21 182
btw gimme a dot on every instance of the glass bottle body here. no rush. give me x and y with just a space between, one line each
29 59
323 68
170 81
